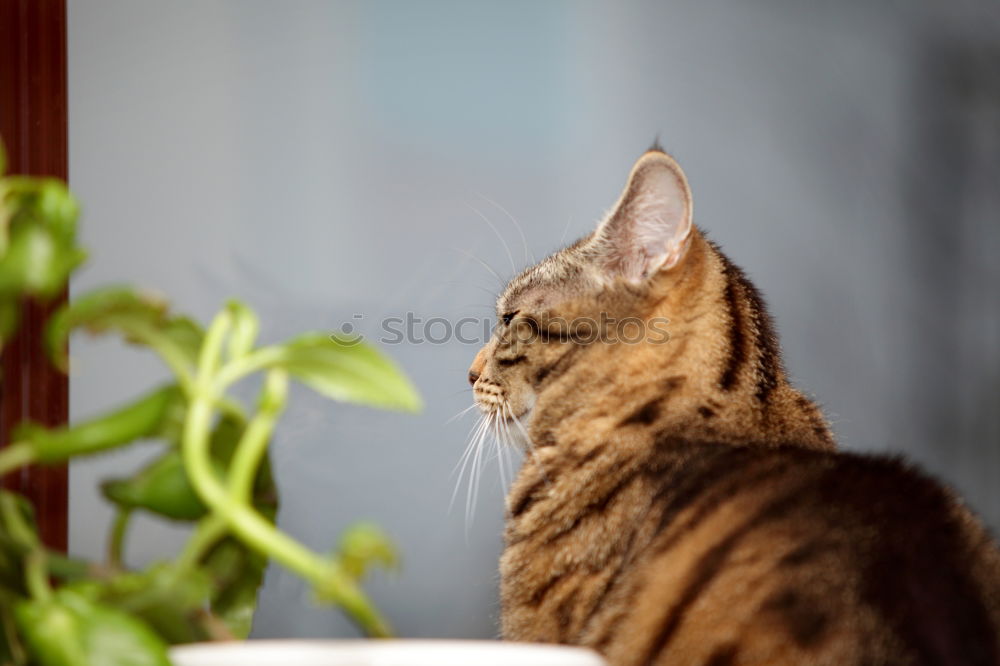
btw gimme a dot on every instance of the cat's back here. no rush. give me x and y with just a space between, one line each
681 502
767 556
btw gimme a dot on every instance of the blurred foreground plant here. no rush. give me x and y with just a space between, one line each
213 470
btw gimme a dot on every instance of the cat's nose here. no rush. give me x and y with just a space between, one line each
478 364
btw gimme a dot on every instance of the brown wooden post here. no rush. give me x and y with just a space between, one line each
33 128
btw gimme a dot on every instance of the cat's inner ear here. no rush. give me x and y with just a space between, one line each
649 228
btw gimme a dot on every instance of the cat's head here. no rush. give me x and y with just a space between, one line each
600 290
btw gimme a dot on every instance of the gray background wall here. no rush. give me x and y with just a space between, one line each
326 159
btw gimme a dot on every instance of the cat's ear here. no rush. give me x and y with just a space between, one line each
649 228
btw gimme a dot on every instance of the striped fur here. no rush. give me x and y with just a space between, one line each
681 502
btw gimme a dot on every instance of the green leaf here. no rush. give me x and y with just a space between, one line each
141 419
72 630
186 333
167 599
161 487
142 318
36 262
225 436
58 209
18 538
346 369
45 202
237 572
53 634
236 569
38 248
100 310
30 264
12 553
363 545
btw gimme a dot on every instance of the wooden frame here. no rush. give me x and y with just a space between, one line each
33 127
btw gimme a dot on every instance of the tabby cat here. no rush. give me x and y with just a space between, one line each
680 502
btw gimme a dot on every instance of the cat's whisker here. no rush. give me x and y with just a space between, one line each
499 446
491 438
470 464
484 265
466 283
503 448
477 469
510 255
517 226
461 413
465 459
508 444
472 490
504 432
511 435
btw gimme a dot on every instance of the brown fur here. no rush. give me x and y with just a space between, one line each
681 502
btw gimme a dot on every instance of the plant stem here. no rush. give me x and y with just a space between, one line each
116 541
245 365
18 528
330 580
327 576
231 408
209 530
243 467
15 455
11 636
211 350
66 568
253 444
36 576
59 565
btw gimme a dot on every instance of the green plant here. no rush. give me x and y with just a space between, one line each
213 470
